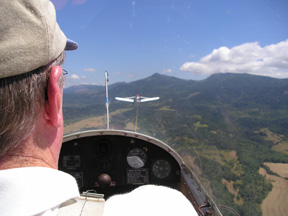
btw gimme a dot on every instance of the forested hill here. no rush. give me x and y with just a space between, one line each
235 87
227 124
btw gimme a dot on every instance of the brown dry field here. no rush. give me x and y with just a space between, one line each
96 122
276 203
86 123
279 168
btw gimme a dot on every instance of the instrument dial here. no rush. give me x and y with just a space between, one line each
136 158
161 169
71 162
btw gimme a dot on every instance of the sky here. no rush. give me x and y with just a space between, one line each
188 39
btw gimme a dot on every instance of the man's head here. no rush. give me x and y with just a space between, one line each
30 36
31 50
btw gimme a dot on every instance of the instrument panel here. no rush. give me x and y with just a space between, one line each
115 163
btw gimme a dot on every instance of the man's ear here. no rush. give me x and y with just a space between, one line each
53 106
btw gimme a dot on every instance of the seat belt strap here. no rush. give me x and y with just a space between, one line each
88 204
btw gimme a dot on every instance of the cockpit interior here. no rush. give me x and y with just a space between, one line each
115 162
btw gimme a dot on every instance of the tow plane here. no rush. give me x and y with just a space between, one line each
137 99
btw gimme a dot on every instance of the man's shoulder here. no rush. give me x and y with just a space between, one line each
87 205
150 200
34 190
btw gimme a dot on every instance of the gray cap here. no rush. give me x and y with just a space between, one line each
29 36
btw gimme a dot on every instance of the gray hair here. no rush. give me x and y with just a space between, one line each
21 99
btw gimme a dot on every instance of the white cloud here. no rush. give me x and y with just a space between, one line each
74 76
271 60
78 2
166 71
191 56
117 73
131 75
90 69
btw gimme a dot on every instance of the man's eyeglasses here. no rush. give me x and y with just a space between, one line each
65 72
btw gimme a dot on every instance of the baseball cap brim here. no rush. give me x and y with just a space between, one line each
71 45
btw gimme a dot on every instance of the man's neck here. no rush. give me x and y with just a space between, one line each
15 161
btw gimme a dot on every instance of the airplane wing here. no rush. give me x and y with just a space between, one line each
125 99
149 99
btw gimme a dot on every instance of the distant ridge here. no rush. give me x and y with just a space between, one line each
75 89
237 86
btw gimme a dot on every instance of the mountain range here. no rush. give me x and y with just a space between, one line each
226 126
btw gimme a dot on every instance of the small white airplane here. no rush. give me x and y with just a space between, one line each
137 99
